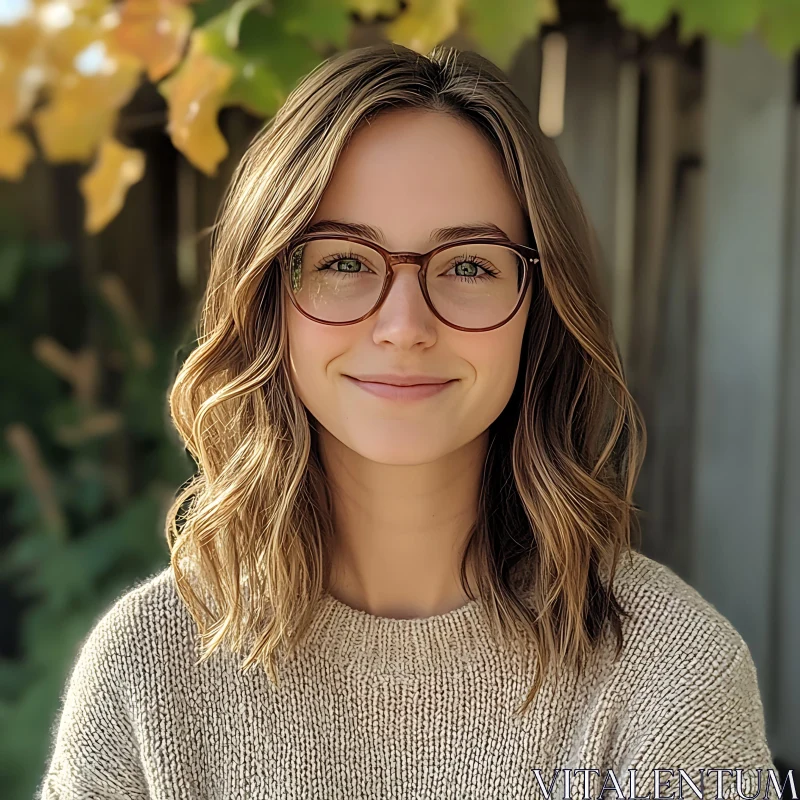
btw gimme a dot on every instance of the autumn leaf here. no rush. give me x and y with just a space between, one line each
15 154
156 31
69 129
85 99
20 40
425 23
19 84
104 186
194 94
83 40
21 72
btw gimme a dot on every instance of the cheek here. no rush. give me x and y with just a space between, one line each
311 348
496 363
304 358
495 356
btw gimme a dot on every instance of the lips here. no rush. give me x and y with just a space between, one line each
391 391
401 380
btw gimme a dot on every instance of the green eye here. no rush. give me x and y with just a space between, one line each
297 268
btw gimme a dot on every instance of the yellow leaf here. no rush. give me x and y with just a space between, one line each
85 97
425 23
15 154
102 71
104 186
21 71
156 32
548 12
20 40
194 94
19 84
69 129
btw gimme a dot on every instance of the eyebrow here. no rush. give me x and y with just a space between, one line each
438 235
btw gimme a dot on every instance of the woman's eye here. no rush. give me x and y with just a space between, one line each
351 265
472 268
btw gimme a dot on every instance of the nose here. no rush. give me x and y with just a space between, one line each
404 317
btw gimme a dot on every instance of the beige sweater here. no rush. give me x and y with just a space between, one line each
376 707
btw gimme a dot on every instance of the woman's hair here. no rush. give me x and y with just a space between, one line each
555 507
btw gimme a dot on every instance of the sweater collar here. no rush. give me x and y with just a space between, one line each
356 640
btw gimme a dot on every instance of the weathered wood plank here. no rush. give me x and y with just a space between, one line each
748 93
787 585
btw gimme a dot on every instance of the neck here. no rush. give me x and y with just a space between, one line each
400 530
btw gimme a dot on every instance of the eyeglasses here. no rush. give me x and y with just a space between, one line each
470 285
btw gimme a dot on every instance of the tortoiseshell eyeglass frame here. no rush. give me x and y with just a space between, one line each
529 255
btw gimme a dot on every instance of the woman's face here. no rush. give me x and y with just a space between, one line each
407 173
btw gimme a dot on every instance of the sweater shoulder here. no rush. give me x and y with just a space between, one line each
147 628
654 593
139 639
670 627
683 664
152 598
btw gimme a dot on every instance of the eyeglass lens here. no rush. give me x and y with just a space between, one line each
472 286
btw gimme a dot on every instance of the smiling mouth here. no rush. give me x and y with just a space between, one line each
401 385
392 391
412 381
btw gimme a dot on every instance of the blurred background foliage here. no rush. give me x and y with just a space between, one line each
88 462
85 59
86 471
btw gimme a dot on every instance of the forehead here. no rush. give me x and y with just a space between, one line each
409 172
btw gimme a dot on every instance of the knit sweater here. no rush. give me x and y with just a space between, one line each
377 707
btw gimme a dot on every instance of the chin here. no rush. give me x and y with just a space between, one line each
398 449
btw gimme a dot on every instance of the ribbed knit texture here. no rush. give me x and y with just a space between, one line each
374 707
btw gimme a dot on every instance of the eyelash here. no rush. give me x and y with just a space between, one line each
491 272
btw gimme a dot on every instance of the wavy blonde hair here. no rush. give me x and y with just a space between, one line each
556 502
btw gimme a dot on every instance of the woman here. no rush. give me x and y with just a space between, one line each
416 459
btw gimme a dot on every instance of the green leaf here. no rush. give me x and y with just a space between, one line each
726 21
322 22
207 10
233 19
255 86
649 16
780 26
289 57
500 28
